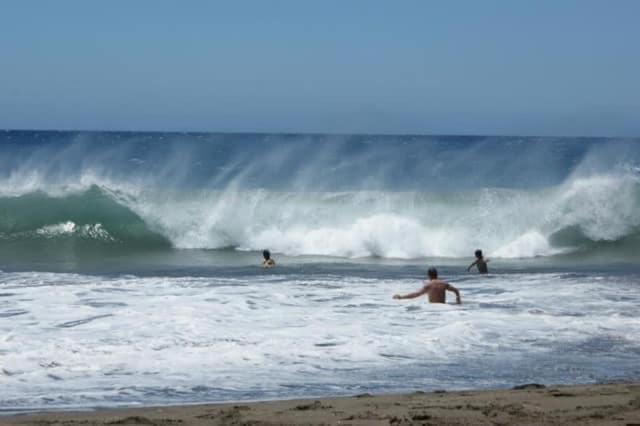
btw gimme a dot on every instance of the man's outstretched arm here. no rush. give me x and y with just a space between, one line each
471 266
420 292
455 290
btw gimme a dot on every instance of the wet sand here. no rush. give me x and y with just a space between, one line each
611 404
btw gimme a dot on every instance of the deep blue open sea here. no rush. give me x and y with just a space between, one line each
130 265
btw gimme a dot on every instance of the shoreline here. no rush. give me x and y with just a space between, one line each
599 404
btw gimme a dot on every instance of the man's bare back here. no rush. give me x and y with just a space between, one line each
436 290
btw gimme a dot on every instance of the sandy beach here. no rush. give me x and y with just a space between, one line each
610 404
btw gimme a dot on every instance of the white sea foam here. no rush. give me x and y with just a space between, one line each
505 223
73 339
530 244
65 228
91 231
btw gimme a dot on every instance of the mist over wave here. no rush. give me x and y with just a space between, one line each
393 197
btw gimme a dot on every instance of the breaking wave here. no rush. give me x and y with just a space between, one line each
354 198
91 215
583 214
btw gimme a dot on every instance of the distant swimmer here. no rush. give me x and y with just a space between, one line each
480 262
268 262
435 288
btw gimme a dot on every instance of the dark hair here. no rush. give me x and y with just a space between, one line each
266 254
432 272
478 253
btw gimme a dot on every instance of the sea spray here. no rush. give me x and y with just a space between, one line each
360 196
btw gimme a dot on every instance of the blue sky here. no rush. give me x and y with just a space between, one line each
428 67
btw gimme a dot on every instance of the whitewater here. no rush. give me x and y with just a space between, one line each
130 265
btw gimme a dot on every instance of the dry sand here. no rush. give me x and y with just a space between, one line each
614 404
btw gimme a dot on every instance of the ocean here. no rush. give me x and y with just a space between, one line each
130 265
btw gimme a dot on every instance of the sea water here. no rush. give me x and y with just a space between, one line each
130 265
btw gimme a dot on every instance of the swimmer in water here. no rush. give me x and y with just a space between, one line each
480 262
436 289
268 262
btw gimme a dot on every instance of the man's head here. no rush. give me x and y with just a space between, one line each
432 273
266 254
478 253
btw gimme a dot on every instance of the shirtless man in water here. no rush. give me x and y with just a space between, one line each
480 262
268 262
435 288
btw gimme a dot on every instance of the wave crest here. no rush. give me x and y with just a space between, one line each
583 214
